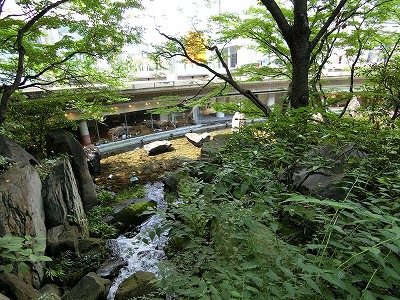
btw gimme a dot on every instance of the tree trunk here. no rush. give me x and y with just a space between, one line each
299 46
5 97
299 93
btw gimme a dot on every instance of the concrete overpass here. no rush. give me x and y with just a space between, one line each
146 95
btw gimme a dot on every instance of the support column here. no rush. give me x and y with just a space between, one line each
84 130
271 99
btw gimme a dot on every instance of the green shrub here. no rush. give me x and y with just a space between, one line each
16 252
243 232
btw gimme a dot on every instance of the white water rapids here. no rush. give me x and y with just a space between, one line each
139 255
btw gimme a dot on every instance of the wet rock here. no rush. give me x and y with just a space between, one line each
170 181
132 215
90 287
198 139
139 284
157 147
17 289
61 142
110 268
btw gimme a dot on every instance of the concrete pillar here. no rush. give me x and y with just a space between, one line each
84 130
271 99
220 114
196 114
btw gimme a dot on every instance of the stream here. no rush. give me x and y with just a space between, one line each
139 255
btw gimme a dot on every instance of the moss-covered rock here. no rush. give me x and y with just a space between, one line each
132 215
137 285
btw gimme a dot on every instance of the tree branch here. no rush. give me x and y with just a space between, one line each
328 23
229 79
279 18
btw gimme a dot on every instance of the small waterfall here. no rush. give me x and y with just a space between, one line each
139 255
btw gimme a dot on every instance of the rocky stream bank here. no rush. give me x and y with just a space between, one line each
52 203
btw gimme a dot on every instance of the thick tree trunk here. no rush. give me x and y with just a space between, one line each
299 93
5 97
299 45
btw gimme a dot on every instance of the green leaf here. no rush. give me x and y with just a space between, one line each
290 289
373 250
312 284
367 295
334 280
23 268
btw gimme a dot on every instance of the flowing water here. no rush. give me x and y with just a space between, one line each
139 255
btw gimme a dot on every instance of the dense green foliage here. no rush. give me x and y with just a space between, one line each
98 227
240 230
16 252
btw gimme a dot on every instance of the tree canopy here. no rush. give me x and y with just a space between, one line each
300 35
87 31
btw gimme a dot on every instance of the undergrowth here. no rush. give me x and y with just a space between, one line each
241 230
98 227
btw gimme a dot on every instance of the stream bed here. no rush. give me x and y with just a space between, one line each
141 256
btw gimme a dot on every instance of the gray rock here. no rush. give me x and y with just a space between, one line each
137 285
323 182
90 287
10 149
110 268
62 238
2 297
198 139
63 204
93 157
21 209
17 288
87 244
170 181
51 291
61 142
157 147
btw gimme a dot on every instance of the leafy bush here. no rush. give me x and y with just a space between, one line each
240 230
16 252
97 226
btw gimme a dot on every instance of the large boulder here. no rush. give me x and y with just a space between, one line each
197 139
139 284
62 202
21 209
10 149
132 215
323 182
62 238
21 204
17 289
157 147
61 142
90 287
